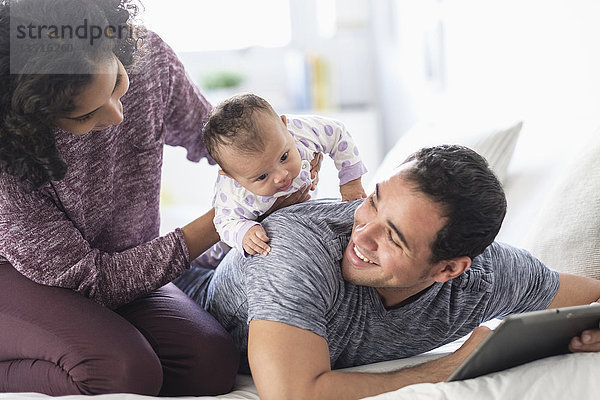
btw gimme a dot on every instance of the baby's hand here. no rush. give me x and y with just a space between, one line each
352 190
255 241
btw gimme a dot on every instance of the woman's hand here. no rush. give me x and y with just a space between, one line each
315 167
297 197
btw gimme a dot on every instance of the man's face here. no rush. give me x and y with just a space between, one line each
391 240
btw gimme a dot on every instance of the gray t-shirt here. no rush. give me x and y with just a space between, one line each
300 283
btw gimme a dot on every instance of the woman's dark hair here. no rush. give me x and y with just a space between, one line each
39 78
471 197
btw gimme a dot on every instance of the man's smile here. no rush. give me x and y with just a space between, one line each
361 256
357 258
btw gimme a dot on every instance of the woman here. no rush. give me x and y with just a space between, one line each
85 300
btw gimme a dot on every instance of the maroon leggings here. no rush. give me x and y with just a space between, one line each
56 341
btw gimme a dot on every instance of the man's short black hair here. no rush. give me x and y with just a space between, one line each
471 196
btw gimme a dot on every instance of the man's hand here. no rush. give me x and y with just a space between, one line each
575 290
588 341
353 190
255 241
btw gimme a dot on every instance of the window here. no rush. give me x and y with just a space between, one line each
197 25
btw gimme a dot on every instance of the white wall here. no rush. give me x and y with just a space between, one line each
540 58
280 74
287 35
533 59
402 61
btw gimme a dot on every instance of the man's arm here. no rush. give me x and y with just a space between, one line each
293 363
574 290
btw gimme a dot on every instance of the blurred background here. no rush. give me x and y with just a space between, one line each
381 66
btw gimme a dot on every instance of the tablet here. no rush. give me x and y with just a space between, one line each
521 338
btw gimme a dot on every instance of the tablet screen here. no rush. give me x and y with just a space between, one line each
522 338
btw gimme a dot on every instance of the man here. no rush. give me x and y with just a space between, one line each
415 269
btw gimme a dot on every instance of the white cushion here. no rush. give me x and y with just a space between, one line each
566 233
495 144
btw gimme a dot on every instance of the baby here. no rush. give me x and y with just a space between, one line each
264 156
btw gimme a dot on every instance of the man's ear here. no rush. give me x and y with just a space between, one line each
450 269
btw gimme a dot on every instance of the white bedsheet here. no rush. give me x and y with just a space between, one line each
565 377
570 376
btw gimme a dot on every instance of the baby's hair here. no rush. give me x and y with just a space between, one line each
232 123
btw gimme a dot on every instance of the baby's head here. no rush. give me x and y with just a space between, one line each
252 144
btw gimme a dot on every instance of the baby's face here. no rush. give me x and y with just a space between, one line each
272 170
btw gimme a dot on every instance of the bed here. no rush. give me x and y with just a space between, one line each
551 175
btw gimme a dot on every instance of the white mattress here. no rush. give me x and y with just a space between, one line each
570 376
244 386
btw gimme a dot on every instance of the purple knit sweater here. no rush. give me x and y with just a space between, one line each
96 230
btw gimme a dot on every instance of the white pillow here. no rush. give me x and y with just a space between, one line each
566 233
496 145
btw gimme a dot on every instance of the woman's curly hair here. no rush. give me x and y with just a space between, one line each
37 87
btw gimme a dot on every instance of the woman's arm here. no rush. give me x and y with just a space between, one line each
200 234
185 109
105 257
